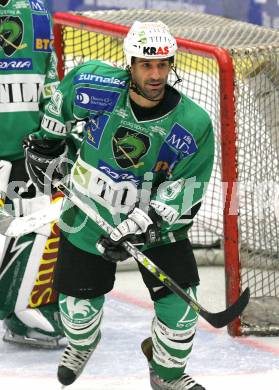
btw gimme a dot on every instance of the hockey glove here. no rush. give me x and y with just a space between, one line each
139 228
45 162
111 252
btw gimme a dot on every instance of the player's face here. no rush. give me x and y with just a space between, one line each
151 76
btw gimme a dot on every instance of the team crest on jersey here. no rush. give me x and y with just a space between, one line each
3 3
11 34
129 146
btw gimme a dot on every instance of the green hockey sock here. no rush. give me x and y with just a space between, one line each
173 331
81 320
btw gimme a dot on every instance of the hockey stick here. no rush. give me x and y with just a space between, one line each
218 320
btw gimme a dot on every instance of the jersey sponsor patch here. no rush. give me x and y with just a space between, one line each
129 147
94 129
49 89
37 5
52 125
118 175
117 197
16 64
96 100
182 141
100 80
166 160
52 69
42 33
20 92
170 191
55 105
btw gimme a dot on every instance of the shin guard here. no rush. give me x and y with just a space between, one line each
81 320
173 331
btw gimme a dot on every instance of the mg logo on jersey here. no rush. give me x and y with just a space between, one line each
182 141
151 50
37 5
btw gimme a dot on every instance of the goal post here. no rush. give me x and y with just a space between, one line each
231 69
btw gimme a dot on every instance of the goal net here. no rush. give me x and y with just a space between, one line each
231 69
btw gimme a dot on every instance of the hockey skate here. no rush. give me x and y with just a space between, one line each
34 339
17 332
185 382
72 364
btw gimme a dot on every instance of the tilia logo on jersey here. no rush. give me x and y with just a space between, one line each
20 92
129 146
11 32
116 196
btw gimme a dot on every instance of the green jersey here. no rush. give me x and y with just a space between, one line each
27 71
124 161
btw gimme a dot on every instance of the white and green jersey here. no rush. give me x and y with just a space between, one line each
27 71
123 158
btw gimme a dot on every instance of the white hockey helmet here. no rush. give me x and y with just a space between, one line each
151 40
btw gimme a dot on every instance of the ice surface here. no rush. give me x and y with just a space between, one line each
218 361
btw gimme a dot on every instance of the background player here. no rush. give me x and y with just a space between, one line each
28 77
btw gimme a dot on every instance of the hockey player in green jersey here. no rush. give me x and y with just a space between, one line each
145 161
28 77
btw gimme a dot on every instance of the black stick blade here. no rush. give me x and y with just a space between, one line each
223 318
